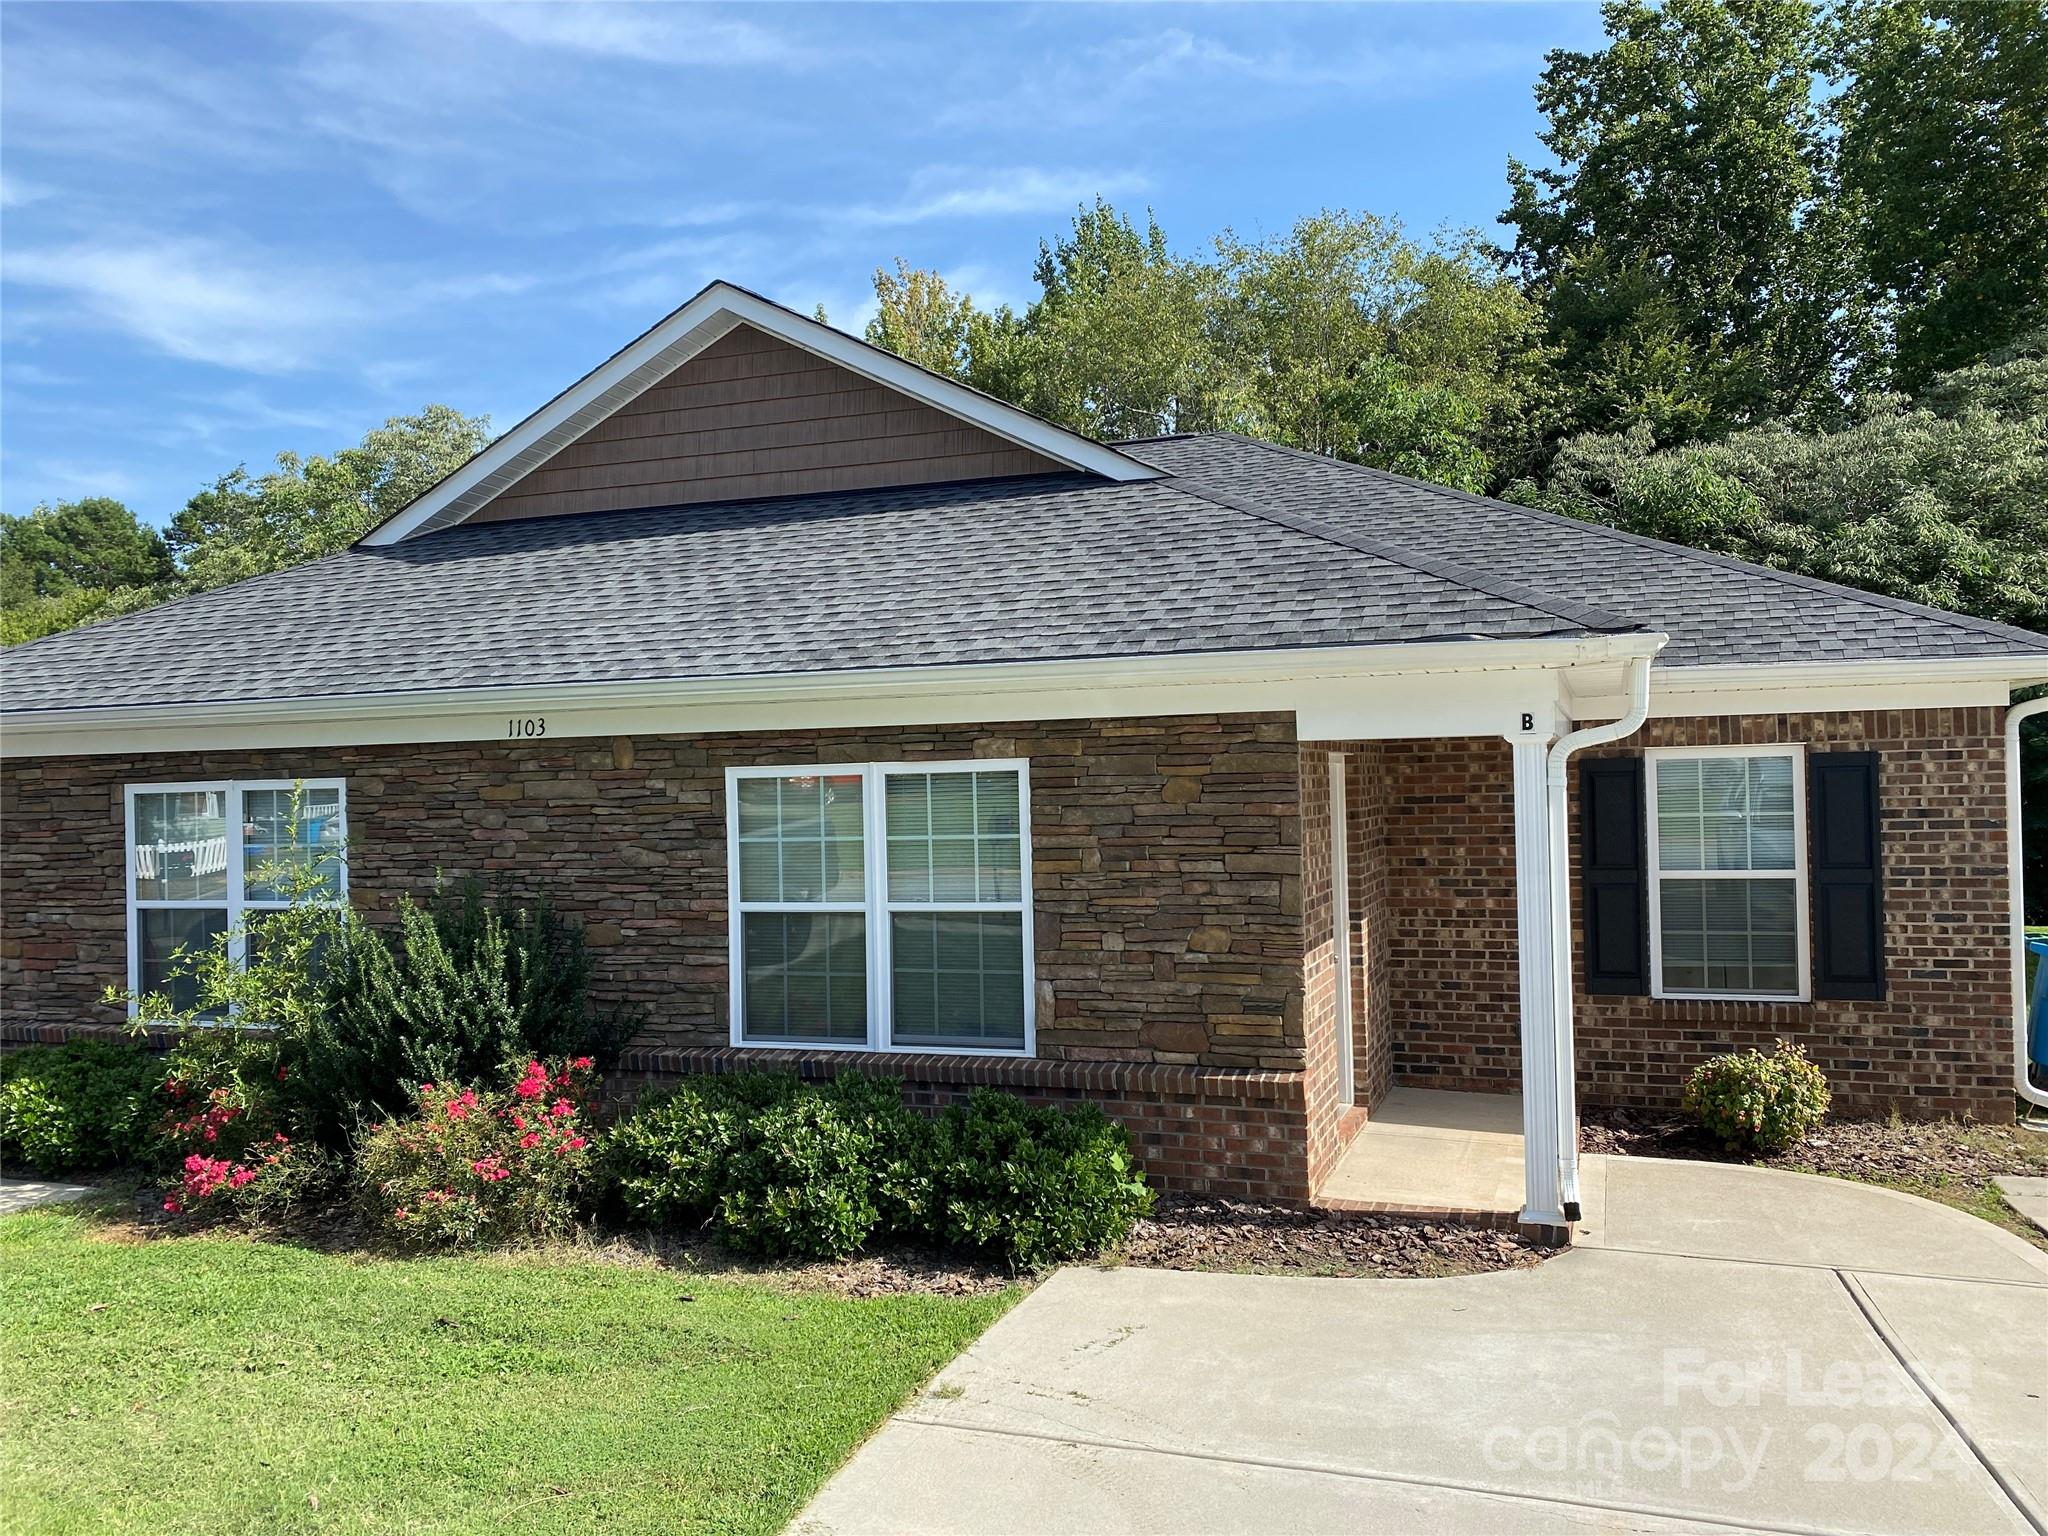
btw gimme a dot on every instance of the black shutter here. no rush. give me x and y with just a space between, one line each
1613 875
1848 890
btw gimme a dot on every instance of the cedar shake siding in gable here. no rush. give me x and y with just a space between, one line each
1164 858
753 416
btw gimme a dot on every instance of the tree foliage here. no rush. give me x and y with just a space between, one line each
1941 499
1944 160
1684 246
243 524
77 562
1342 336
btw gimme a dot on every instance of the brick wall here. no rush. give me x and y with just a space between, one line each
1937 1044
1450 861
1940 1042
1241 1134
1165 855
1373 919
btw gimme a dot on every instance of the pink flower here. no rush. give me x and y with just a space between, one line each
173 1207
561 1108
582 1063
530 1087
530 1139
457 1110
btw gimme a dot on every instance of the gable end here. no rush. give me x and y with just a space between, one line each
753 415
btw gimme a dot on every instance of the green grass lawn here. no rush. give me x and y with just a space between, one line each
218 1385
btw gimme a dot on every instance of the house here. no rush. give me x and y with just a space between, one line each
870 721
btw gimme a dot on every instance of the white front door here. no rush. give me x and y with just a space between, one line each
1340 918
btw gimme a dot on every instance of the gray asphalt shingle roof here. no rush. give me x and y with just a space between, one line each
1244 547
1716 610
1059 566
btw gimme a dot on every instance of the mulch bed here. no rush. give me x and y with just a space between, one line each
1206 1232
1880 1150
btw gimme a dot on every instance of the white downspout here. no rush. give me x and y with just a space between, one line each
2017 866
1561 918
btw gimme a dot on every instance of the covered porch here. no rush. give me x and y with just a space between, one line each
1434 1153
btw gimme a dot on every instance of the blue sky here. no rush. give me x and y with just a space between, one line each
234 230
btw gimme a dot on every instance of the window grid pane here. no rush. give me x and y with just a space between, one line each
1725 813
801 838
954 837
805 976
178 845
1729 935
274 851
957 978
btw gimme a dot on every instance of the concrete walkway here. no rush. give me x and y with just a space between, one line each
26 1194
1730 1348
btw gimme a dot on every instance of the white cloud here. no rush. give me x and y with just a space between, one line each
195 300
70 478
653 34
948 192
241 308
16 193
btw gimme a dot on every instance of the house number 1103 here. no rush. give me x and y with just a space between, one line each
526 725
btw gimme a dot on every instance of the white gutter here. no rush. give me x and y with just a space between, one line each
2017 874
1561 919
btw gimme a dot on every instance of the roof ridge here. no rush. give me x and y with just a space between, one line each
1579 615
1967 622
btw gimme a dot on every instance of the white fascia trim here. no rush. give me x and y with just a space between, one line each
1814 687
31 733
673 342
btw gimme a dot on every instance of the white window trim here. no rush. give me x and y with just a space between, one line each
877 908
1798 874
231 791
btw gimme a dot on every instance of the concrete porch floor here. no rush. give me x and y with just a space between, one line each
1425 1150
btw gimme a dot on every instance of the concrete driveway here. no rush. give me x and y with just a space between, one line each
1727 1348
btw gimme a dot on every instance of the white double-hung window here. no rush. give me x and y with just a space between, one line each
205 858
881 906
1727 839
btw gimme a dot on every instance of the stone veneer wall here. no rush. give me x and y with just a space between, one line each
1937 1044
1165 853
1167 903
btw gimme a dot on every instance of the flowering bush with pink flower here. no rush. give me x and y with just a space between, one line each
474 1167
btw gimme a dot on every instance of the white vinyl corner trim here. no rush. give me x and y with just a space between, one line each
673 342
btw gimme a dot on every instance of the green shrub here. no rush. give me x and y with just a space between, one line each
471 1168
1754 1102
82 1105
799 1184
774 1166
779 1168
667 1163
1036 1185
466 991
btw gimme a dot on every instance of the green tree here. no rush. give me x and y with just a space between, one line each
921 319
1943 499
1944 160
95 543
1685 248
1117 343
1345 337
244 524
68 563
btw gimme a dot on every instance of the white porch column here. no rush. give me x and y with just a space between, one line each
1535 943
